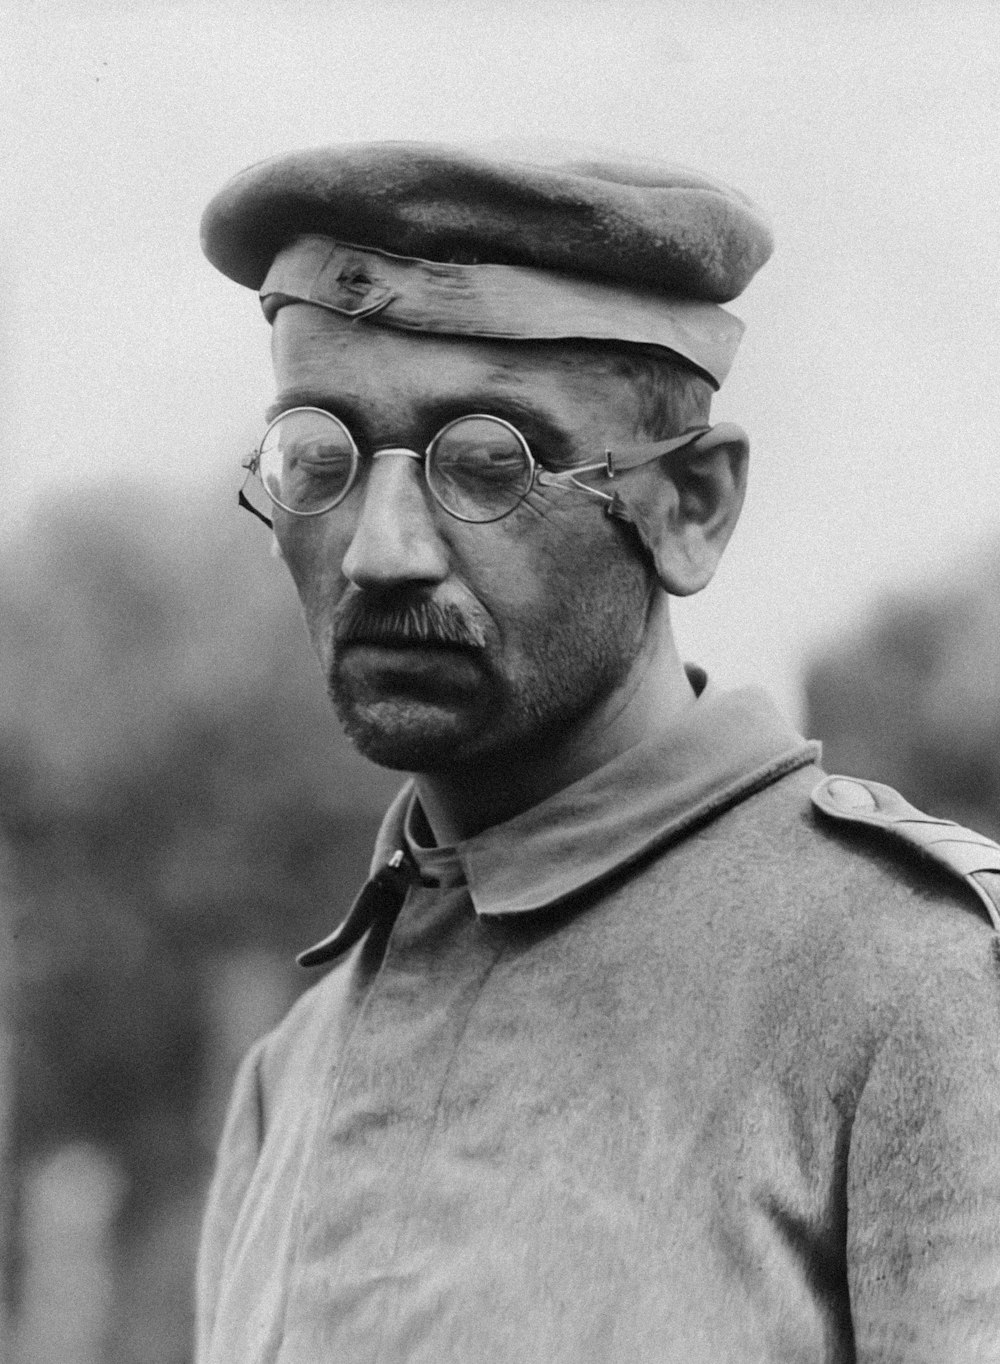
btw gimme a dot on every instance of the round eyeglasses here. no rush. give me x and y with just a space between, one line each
478 468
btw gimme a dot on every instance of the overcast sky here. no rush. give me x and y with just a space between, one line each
868 375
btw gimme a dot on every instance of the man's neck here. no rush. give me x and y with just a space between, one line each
460 803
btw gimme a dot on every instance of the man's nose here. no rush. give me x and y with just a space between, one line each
396 539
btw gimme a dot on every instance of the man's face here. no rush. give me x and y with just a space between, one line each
444 643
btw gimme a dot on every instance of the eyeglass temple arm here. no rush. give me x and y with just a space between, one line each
632 456
626 457
243 501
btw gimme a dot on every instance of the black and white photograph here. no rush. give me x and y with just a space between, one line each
500 682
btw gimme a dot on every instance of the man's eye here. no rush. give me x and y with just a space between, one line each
302 473
317 455
318 468
478 457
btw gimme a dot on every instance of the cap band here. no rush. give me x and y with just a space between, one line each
509 302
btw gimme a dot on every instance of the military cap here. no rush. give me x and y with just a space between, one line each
437 238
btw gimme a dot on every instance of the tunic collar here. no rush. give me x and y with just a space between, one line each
726 746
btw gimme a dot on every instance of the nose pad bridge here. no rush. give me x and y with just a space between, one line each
398 450
380 456
396 538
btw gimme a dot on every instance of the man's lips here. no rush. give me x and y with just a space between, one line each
429 667
408 647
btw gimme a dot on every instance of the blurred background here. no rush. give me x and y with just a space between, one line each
178 814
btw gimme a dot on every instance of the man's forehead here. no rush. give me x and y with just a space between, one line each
313 347
369 375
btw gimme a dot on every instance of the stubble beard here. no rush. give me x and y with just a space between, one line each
401 732
563 674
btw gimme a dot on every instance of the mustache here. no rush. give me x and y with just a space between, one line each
367 619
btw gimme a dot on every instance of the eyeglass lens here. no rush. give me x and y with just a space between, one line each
478 467
307 461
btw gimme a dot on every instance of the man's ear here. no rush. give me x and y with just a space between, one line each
686 505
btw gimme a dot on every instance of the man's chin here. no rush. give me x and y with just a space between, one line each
408 736
416 710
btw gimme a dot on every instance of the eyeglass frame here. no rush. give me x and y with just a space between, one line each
615 461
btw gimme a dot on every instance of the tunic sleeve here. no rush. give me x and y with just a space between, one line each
923 1241
237 1156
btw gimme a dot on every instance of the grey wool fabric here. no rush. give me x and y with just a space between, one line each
651 226
670 1068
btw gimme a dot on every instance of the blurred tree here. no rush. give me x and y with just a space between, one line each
914 699
9 922
174 794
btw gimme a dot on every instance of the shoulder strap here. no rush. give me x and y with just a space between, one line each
969 855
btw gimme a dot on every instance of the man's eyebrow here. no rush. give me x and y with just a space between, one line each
296 397
548 442
550 445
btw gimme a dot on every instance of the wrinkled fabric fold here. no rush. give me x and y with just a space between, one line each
506 302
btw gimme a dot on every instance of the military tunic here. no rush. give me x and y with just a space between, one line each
668 1068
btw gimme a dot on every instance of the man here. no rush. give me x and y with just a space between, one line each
644 1041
